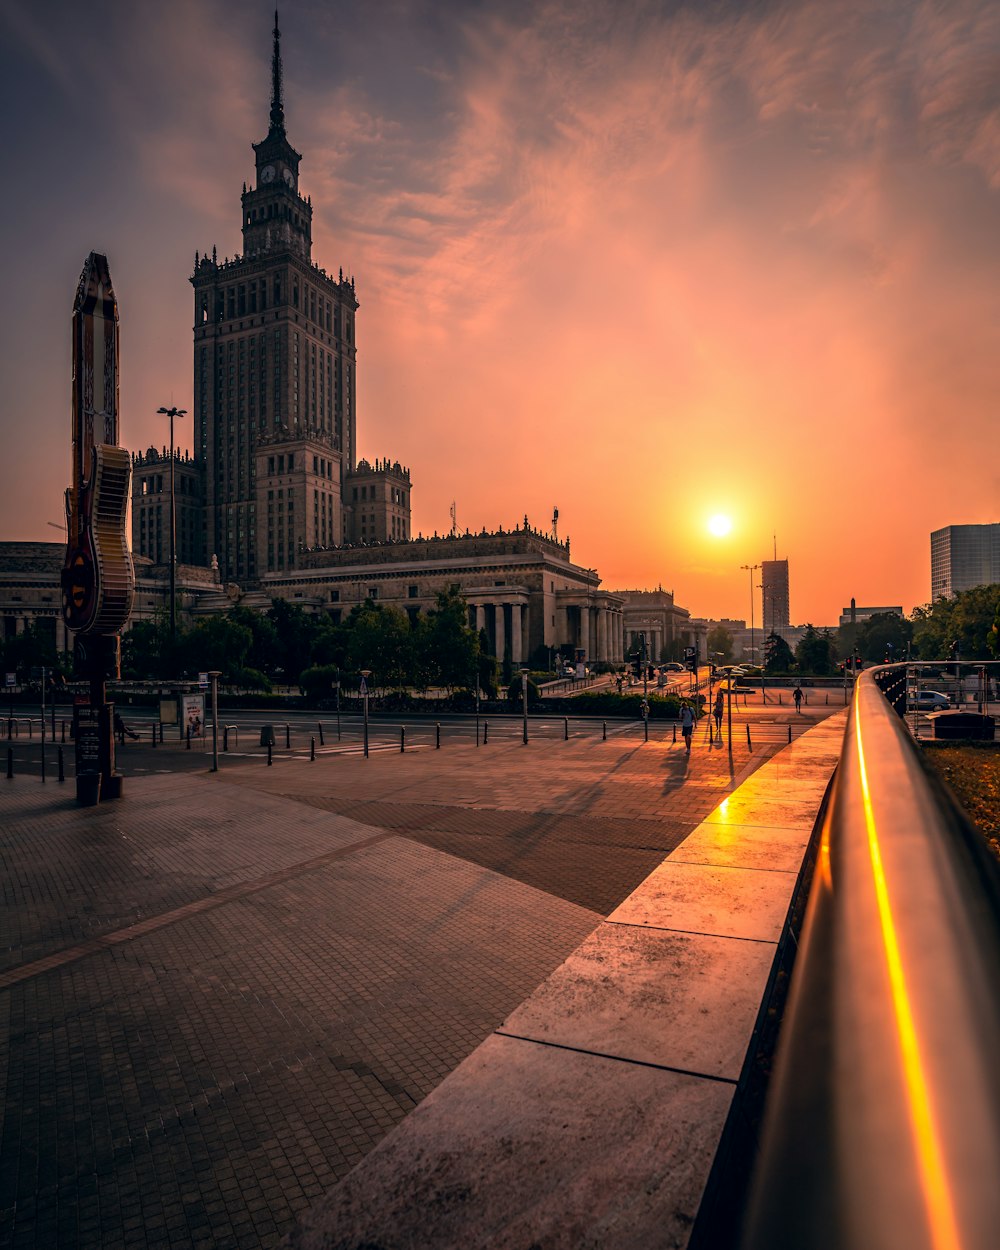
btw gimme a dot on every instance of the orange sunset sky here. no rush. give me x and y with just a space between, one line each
641 262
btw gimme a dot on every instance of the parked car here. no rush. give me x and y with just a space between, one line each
672 666
927 701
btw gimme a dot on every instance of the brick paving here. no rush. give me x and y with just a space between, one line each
221 992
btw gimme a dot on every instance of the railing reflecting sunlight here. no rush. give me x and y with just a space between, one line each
883 1122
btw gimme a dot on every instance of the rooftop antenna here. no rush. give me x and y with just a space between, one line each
775 546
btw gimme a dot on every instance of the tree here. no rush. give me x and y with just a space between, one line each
967 619
295 631
264 643
884 636
379 640
720 644
778 657
146 650
216 643
448 647
814 654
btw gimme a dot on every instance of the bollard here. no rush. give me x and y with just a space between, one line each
43 750
749 743
645 726
402 738
675 731
154 735
486 732
161 732
288 737
828 698
225 738
187 739
604 731
321 741
437 736
779 698
269 760
565 729
789 733
312 748
64 731
62 766
10 763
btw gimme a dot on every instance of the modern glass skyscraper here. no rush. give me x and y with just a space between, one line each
963 556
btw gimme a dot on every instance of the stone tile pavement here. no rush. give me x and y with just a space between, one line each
221 992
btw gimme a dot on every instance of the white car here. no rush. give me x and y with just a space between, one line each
927 701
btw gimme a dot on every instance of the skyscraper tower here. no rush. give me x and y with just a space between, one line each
274 375
774 596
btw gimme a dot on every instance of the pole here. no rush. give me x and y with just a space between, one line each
524 704
215 721
338 710
171 413
365 674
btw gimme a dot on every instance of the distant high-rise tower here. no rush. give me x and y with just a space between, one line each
963 556
274 376
774 596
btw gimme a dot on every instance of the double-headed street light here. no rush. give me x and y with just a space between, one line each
751 569
171 413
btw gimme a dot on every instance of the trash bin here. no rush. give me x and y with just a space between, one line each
267 736
968 725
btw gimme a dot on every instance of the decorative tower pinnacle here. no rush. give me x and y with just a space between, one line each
277 108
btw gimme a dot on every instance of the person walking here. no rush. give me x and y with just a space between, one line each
720 706
687 725
797 696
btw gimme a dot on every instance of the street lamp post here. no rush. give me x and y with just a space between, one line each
215 675
524 704
365 674
751 569
171 413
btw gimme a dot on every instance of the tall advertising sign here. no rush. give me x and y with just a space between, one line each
98 581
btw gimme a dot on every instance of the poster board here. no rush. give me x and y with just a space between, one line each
193 715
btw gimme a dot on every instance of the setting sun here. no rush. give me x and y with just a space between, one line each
720 525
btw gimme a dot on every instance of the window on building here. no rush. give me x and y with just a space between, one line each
412 591
372 592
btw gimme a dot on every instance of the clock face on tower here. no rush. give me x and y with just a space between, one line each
288 176
267 173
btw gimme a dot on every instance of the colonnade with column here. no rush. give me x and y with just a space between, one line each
597 628
493 618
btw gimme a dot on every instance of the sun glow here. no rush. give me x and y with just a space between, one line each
720 524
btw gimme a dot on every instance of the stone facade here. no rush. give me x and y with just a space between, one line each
653 613
151 507
520 586
30 589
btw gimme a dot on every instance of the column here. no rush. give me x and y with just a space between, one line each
498 616
585 630
515 633
480 618
602 634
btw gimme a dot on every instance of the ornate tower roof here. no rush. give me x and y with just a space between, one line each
277 105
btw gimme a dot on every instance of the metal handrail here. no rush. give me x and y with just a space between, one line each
883 1123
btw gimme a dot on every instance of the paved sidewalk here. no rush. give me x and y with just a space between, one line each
221 992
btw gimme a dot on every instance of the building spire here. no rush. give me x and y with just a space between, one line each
277 108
